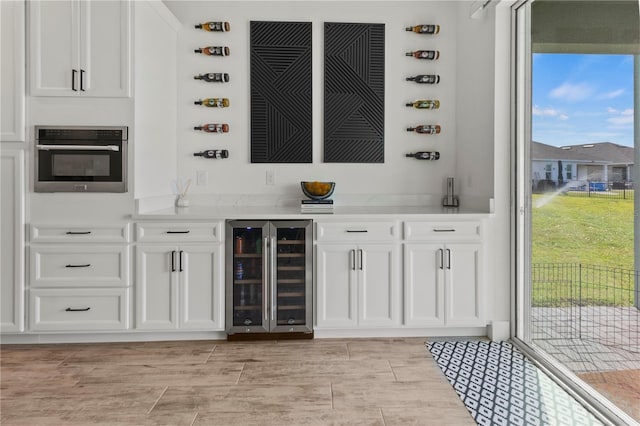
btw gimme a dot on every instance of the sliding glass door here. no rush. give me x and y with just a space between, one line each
576 98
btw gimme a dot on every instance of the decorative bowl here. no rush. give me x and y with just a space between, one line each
318 190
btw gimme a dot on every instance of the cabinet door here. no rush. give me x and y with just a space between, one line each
199 269
463 285
105 48
12 86
336 286
379 285
156 287
53 47
424 285
12 241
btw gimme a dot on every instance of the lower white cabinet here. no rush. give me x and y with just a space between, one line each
72 309
12 242
357 285
443 281
179 287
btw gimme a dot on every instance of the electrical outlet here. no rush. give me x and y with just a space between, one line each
202 177
270 177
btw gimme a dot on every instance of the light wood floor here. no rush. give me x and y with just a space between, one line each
303 382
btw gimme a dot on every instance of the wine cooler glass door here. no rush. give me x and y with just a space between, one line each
248 275
291 276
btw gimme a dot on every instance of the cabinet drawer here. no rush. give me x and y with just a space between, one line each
80 234
79 309
72 265
357 231
448 231
187 232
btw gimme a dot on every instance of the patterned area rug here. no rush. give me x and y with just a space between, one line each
499 386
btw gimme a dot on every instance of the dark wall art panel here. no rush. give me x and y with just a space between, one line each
281 97
353 93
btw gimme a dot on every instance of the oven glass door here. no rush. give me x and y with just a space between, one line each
99 165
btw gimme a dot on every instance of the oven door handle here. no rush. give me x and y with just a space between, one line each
79 147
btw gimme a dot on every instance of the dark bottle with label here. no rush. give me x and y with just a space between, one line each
424 104
425 79
213 77
427 129
213 50
213 102
425 155
424 29
213 128
214 26
212 153
424 54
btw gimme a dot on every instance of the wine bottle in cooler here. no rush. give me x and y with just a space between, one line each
424 104
213 50
424 29
213 128
214 26
427 129
213 77
425 155
425 54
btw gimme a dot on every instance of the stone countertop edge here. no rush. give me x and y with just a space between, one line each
281 213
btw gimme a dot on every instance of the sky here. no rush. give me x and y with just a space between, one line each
579 99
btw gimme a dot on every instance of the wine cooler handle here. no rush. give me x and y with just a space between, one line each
274 290
441 252
360 253
82 80
173 261
73 80
180 255
448 259
265 274
352 258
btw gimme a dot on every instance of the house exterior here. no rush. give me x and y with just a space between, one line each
603 164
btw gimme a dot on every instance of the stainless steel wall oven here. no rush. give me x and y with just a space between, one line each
80 159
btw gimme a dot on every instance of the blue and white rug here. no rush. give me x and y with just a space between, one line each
499 386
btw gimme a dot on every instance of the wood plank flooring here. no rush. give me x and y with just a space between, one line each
303 382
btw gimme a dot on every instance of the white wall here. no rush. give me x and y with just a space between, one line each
398 175
155 90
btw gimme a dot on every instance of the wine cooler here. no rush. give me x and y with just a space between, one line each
269 276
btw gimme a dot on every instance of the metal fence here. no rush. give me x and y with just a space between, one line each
577 301
586 188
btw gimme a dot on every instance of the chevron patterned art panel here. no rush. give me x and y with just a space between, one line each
281 98
353 93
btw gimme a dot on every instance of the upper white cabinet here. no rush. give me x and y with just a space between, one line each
12 55
80 48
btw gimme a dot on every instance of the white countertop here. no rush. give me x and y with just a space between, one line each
281 212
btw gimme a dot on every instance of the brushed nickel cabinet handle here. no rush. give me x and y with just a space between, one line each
78 232
178 232
77 309
86 265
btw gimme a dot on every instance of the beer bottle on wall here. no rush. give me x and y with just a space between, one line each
424 54
213 102
424 104
427 129
213 128
213 77
425 79
214 26
424 29
425 155
213 50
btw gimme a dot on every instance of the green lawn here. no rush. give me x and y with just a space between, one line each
568 229
593 232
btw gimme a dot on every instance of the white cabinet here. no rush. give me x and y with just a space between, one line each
357 285
443 274
179 286
12 61
12 242
79 277
80 48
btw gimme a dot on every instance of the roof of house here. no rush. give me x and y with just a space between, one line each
603 152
